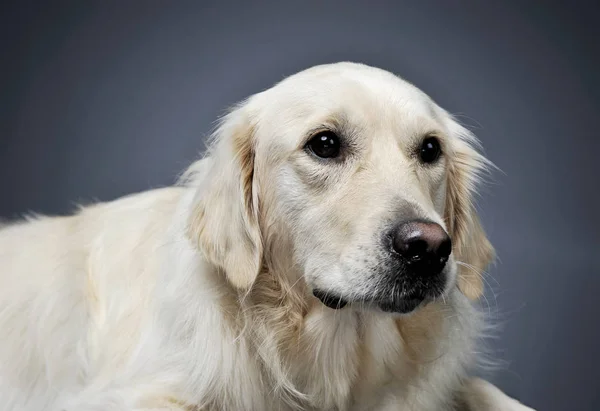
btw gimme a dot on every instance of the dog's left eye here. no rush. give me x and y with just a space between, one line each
430 150
326 144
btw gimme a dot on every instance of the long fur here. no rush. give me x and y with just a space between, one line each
198 296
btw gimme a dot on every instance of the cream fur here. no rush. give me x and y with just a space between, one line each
198 296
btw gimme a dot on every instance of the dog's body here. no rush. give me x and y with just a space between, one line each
198 297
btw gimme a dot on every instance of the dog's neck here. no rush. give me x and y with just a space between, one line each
296 336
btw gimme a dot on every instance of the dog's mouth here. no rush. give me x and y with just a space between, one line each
330 300
398 305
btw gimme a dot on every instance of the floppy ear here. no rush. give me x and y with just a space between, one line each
224 222
472 248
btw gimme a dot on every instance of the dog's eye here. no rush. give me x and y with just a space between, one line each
326 144
430 150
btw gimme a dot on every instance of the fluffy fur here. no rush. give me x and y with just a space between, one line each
198 296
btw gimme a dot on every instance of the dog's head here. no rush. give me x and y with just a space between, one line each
361 175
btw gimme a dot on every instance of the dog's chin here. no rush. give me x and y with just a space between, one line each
405 305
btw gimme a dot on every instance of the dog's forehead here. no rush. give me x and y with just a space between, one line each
356 91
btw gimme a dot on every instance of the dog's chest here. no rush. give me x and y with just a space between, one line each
349 360
352 361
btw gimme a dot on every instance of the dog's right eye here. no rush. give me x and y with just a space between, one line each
325 144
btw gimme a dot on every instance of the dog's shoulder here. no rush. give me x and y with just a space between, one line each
78 284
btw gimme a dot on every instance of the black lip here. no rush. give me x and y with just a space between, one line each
330 300
396 304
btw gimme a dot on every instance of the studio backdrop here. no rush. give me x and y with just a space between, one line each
101 99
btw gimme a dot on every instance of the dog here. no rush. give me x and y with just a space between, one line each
325 254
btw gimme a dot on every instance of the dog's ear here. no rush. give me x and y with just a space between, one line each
224 222
471 246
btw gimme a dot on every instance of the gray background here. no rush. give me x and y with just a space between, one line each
99 99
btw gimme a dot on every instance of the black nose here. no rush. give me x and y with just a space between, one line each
424 245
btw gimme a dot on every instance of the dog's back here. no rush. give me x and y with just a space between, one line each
73 291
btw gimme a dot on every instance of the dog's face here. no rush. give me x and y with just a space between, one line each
368 180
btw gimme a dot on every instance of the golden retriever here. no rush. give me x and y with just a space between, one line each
324 255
